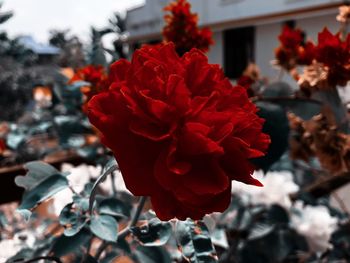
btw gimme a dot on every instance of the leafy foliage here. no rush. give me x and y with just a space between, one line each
194 241
154 233
41 182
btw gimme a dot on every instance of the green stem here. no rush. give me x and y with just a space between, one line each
114 189
139 208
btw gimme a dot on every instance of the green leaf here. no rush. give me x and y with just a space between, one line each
283 240
109 168
72 219
77 85
246 217
76 141
42 127
3 219
277 215
5 16
64 245
260 230
194 241
114 207
277 127
81 202
15 139
155 233
37 172
21 256
88 152
42 192
104 227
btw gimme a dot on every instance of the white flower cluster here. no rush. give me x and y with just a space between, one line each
315 224
277 188
10 247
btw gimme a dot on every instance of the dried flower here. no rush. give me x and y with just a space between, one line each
314 77
344 14
320 138
249 77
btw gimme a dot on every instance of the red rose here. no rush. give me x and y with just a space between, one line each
179 130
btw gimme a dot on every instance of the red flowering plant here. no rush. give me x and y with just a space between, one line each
334 54
96 75
293 50
327 64
181 28
179 130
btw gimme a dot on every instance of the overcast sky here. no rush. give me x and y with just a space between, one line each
37 17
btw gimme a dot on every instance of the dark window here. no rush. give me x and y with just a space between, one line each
238 50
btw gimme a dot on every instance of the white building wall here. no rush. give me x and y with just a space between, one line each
227 10
265 43
216 52
148 19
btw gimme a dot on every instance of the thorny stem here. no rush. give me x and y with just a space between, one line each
122 234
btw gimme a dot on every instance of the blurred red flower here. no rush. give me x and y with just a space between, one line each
96 76
291 38
331 49
179 130
293 51
335 55
181 28
306 53
246 82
